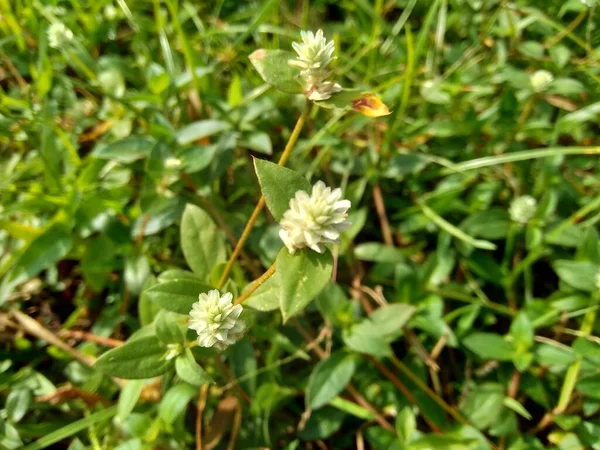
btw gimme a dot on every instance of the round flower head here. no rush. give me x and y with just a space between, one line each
522 209
315 220
540 80
314 55
216 320
59 35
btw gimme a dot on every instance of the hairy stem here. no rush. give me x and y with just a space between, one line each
261 203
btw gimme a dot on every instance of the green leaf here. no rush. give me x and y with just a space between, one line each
177 295
243 365
202 242
516 407
128 399
279 185
49 248
190 371
329 377
483 404
489 346
199 130
579 274
137 270
126 150
322 424
175 401
301 277
438 442
377 252
266 297
17 404
141 358
273 67
167 328
259 141
374 334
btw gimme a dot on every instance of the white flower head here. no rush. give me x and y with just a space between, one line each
540 80
522 209
172 163
315 220
314 55
110 12
216 320
59 35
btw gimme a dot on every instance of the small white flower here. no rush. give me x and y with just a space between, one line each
216 320
522 209
59 35
173 351
172 163
314 55
315 220
110 12
540 80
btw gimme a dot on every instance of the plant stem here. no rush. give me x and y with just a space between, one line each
436 398
264 277
261 203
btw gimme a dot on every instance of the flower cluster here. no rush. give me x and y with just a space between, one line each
314 55
216 320
59 35
314 220
540 80
522 209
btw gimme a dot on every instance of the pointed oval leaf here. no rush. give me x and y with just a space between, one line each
190 371
177 295
202 242
141 358
301 277
329 378
279 185
266 297
273 67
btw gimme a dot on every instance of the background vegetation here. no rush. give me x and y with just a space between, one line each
154 105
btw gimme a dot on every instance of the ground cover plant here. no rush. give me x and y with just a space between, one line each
299 224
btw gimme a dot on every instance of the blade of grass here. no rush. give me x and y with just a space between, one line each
520 156
71 429
454 231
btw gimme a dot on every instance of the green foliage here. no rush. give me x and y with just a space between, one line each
133 153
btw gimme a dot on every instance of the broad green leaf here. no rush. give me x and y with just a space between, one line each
176 274
273 67
202 242
177 295
141 358
365 103
329 377
167 328
137 270
279 185
373 334
126 150
200 129
322 424
190 371
579 274
483 404
489 346
334 305
259 141
175 402
301 277
147 309
266 297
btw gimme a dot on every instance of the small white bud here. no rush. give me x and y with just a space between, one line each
173 351
59 35
522 209
540 80
315 220
172 163
216 320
